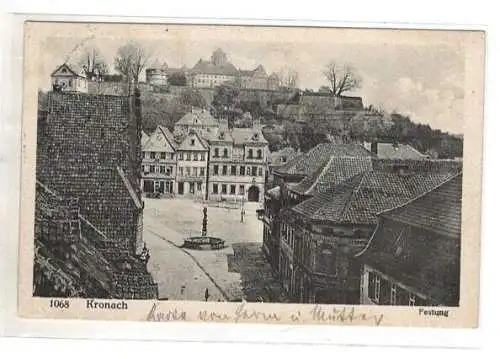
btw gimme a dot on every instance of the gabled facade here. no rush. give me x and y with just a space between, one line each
192 165
159 163
199 120
237 168
64 78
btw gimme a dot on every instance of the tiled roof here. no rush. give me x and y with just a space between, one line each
168 135
374 191
199 117
309 162
402 151
335 171
72 71
207 67
439 210
85 138
275 158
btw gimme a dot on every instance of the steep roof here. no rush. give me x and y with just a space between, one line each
389 150
207 67
238 136
275 158
333 172
439 210
309 162
197 117
65 66
160 140
200 145
362 197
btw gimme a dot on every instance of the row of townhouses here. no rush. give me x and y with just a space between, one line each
374 224
205 159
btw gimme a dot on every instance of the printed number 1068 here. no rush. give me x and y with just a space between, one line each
56 303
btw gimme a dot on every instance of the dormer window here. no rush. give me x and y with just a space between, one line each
192 142
221 136
259 154
225 153
402 170
250 153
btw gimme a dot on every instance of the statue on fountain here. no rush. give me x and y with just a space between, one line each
204 222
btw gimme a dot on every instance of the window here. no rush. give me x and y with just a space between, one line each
242 170
198 186
254 171
195 156
259 154
188 156
143 154
225 153
169 171
152 169
224 170
233 170
181 155
233 189
216 169
202 156
242 189
224 189
260 171
172 156
376 293
202 171
215 188
162 169
181 171
188 171
195 171
191 187
393 294
152 155
143 168
250 153
192 142
163 155
249 171
216 152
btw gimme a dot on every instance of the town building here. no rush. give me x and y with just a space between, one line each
277 159
238 164
159 163
413 257
277 200
64 78
88 168
325 231
192 164
157 74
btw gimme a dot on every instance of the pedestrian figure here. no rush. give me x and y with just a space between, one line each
206 295
242 215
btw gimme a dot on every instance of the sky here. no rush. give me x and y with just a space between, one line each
419 74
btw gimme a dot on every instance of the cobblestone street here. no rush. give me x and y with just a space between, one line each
238 271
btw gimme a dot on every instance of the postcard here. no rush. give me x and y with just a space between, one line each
251 174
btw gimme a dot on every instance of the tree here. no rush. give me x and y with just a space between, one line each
130 61
341 78
192 98
177 79
93 63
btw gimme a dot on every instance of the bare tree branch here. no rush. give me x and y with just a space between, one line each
130 61
341 79
93 63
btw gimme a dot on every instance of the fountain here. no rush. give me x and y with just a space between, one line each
204 241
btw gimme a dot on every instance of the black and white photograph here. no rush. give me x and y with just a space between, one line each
217 163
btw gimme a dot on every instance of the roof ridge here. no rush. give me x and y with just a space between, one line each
162 129
452 177
323 169
355 190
